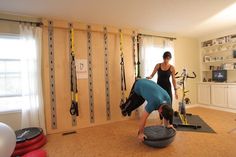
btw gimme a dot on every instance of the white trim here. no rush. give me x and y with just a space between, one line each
9 35
212 107
219 108
10 112
192 106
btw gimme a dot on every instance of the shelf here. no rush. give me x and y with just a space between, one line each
218 83
220 45
218 52
223 69
223 61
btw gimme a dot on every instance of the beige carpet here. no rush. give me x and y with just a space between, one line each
119 140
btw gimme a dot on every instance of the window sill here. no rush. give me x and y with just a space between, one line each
10 111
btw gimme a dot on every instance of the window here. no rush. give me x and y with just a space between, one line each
10 73
10 78
152 50
153 55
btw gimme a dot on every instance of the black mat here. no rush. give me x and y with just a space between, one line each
196 120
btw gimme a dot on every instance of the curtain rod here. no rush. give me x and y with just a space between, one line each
85 30
148 35
38 24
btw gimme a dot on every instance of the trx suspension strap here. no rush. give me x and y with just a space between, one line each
138 52
90 75
106 66
134 55
52 75
73 80
135 63
122 69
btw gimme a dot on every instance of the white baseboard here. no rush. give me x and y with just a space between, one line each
192 106
212 107
154 115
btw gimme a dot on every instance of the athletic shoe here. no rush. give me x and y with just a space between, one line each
129 114
122 106
124 113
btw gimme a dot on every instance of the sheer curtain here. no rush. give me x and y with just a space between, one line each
152 49
32 105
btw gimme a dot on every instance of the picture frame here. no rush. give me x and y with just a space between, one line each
207 59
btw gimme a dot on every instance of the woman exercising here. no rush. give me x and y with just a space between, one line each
164 70
157 98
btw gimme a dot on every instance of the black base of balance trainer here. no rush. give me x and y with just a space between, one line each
27 134
159 136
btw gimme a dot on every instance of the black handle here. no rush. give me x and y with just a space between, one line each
194 75
74 108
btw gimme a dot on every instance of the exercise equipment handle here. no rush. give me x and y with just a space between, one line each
194 75
177 74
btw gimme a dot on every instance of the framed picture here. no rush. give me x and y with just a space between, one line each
81 68
212 68
221 40
207 59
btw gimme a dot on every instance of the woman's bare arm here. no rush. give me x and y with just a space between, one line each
154 71
174 81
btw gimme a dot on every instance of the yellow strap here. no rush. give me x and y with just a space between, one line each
72 96
121 43
72 41
76 97
183 119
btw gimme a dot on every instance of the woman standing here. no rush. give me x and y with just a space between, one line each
164 70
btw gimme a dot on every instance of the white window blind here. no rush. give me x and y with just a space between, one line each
10 73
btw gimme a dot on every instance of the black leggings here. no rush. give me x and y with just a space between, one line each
168 90
133 102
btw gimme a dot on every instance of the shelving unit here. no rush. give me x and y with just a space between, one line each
217 54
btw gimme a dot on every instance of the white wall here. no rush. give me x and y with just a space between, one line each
187 56
13 119
9 27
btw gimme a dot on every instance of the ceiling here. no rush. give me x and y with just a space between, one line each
192 18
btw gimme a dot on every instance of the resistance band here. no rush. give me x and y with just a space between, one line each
106 65
122 69
74 111
90 75
138 52
135 63
52 75
134 54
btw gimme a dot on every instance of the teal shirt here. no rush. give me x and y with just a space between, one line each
153 93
